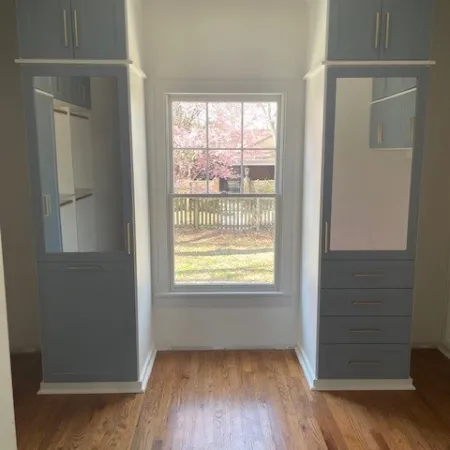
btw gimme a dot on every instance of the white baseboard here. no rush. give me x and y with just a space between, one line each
349 384
444 348
113 387
363 385
305 365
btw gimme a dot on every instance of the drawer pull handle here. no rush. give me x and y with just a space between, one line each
92 267
365 330
364 363
368 275
366 303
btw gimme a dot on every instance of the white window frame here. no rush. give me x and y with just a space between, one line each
277 195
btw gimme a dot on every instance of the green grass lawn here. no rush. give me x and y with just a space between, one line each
221 256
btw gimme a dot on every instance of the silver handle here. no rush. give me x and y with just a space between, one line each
365 330
412 123
326 238
388 30
66 40
364 363
366 303
75 23
128 233
368 275
380 133
377 30
92 267
46 203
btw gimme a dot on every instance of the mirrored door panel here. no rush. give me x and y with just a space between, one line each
372 163
78 141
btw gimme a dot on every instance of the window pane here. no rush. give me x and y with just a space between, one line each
259 171
225 125
224 240
260 125
188 125
225 171
189 171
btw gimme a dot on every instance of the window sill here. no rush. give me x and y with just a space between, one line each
229 299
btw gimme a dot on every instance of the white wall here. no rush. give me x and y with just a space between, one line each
432 265
255 46
107 178
318 32
141 218
15 203
370 202
312 216
7 422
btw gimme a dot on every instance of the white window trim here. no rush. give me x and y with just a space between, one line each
219 286
289 246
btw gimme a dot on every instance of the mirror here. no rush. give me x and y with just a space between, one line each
79 163
372 161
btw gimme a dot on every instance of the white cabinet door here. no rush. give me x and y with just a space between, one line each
80 130
64 155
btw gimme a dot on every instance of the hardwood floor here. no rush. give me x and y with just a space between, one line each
236 400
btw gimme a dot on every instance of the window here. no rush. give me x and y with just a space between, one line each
224 190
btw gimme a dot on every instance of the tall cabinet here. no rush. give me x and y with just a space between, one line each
364 141
88 168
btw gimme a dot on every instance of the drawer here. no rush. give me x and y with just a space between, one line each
364 361
366 302
367 274
365 330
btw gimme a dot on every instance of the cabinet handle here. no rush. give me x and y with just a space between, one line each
388 30
91 267
75 23
364 362
380 133
377 29
47 206
128 233
365 330
368 275
412 123
66 40
326 238
356 302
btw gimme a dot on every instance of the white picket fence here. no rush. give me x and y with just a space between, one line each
224 213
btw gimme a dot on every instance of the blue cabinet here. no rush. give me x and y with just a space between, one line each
72 90
68 29
88 322
45 28
406 31
379 29
99 29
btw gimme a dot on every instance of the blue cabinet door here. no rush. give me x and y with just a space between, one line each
99 29
80 91
406 29
354 31
44 28
88 321
47 171
379 88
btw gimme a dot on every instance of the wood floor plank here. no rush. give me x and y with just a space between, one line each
236 400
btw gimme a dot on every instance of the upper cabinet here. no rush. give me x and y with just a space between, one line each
55 29
379 29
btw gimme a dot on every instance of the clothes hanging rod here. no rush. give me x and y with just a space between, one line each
80 116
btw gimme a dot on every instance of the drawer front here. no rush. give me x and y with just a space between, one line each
365 330
373 361
366 302
367 274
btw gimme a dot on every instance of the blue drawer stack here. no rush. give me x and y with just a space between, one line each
365 319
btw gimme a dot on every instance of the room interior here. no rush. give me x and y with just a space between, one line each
106 348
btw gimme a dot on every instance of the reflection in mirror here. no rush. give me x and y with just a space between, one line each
79 163
373 140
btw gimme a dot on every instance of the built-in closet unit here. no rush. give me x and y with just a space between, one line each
85 110
364 139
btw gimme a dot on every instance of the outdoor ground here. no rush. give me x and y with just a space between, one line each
223 256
